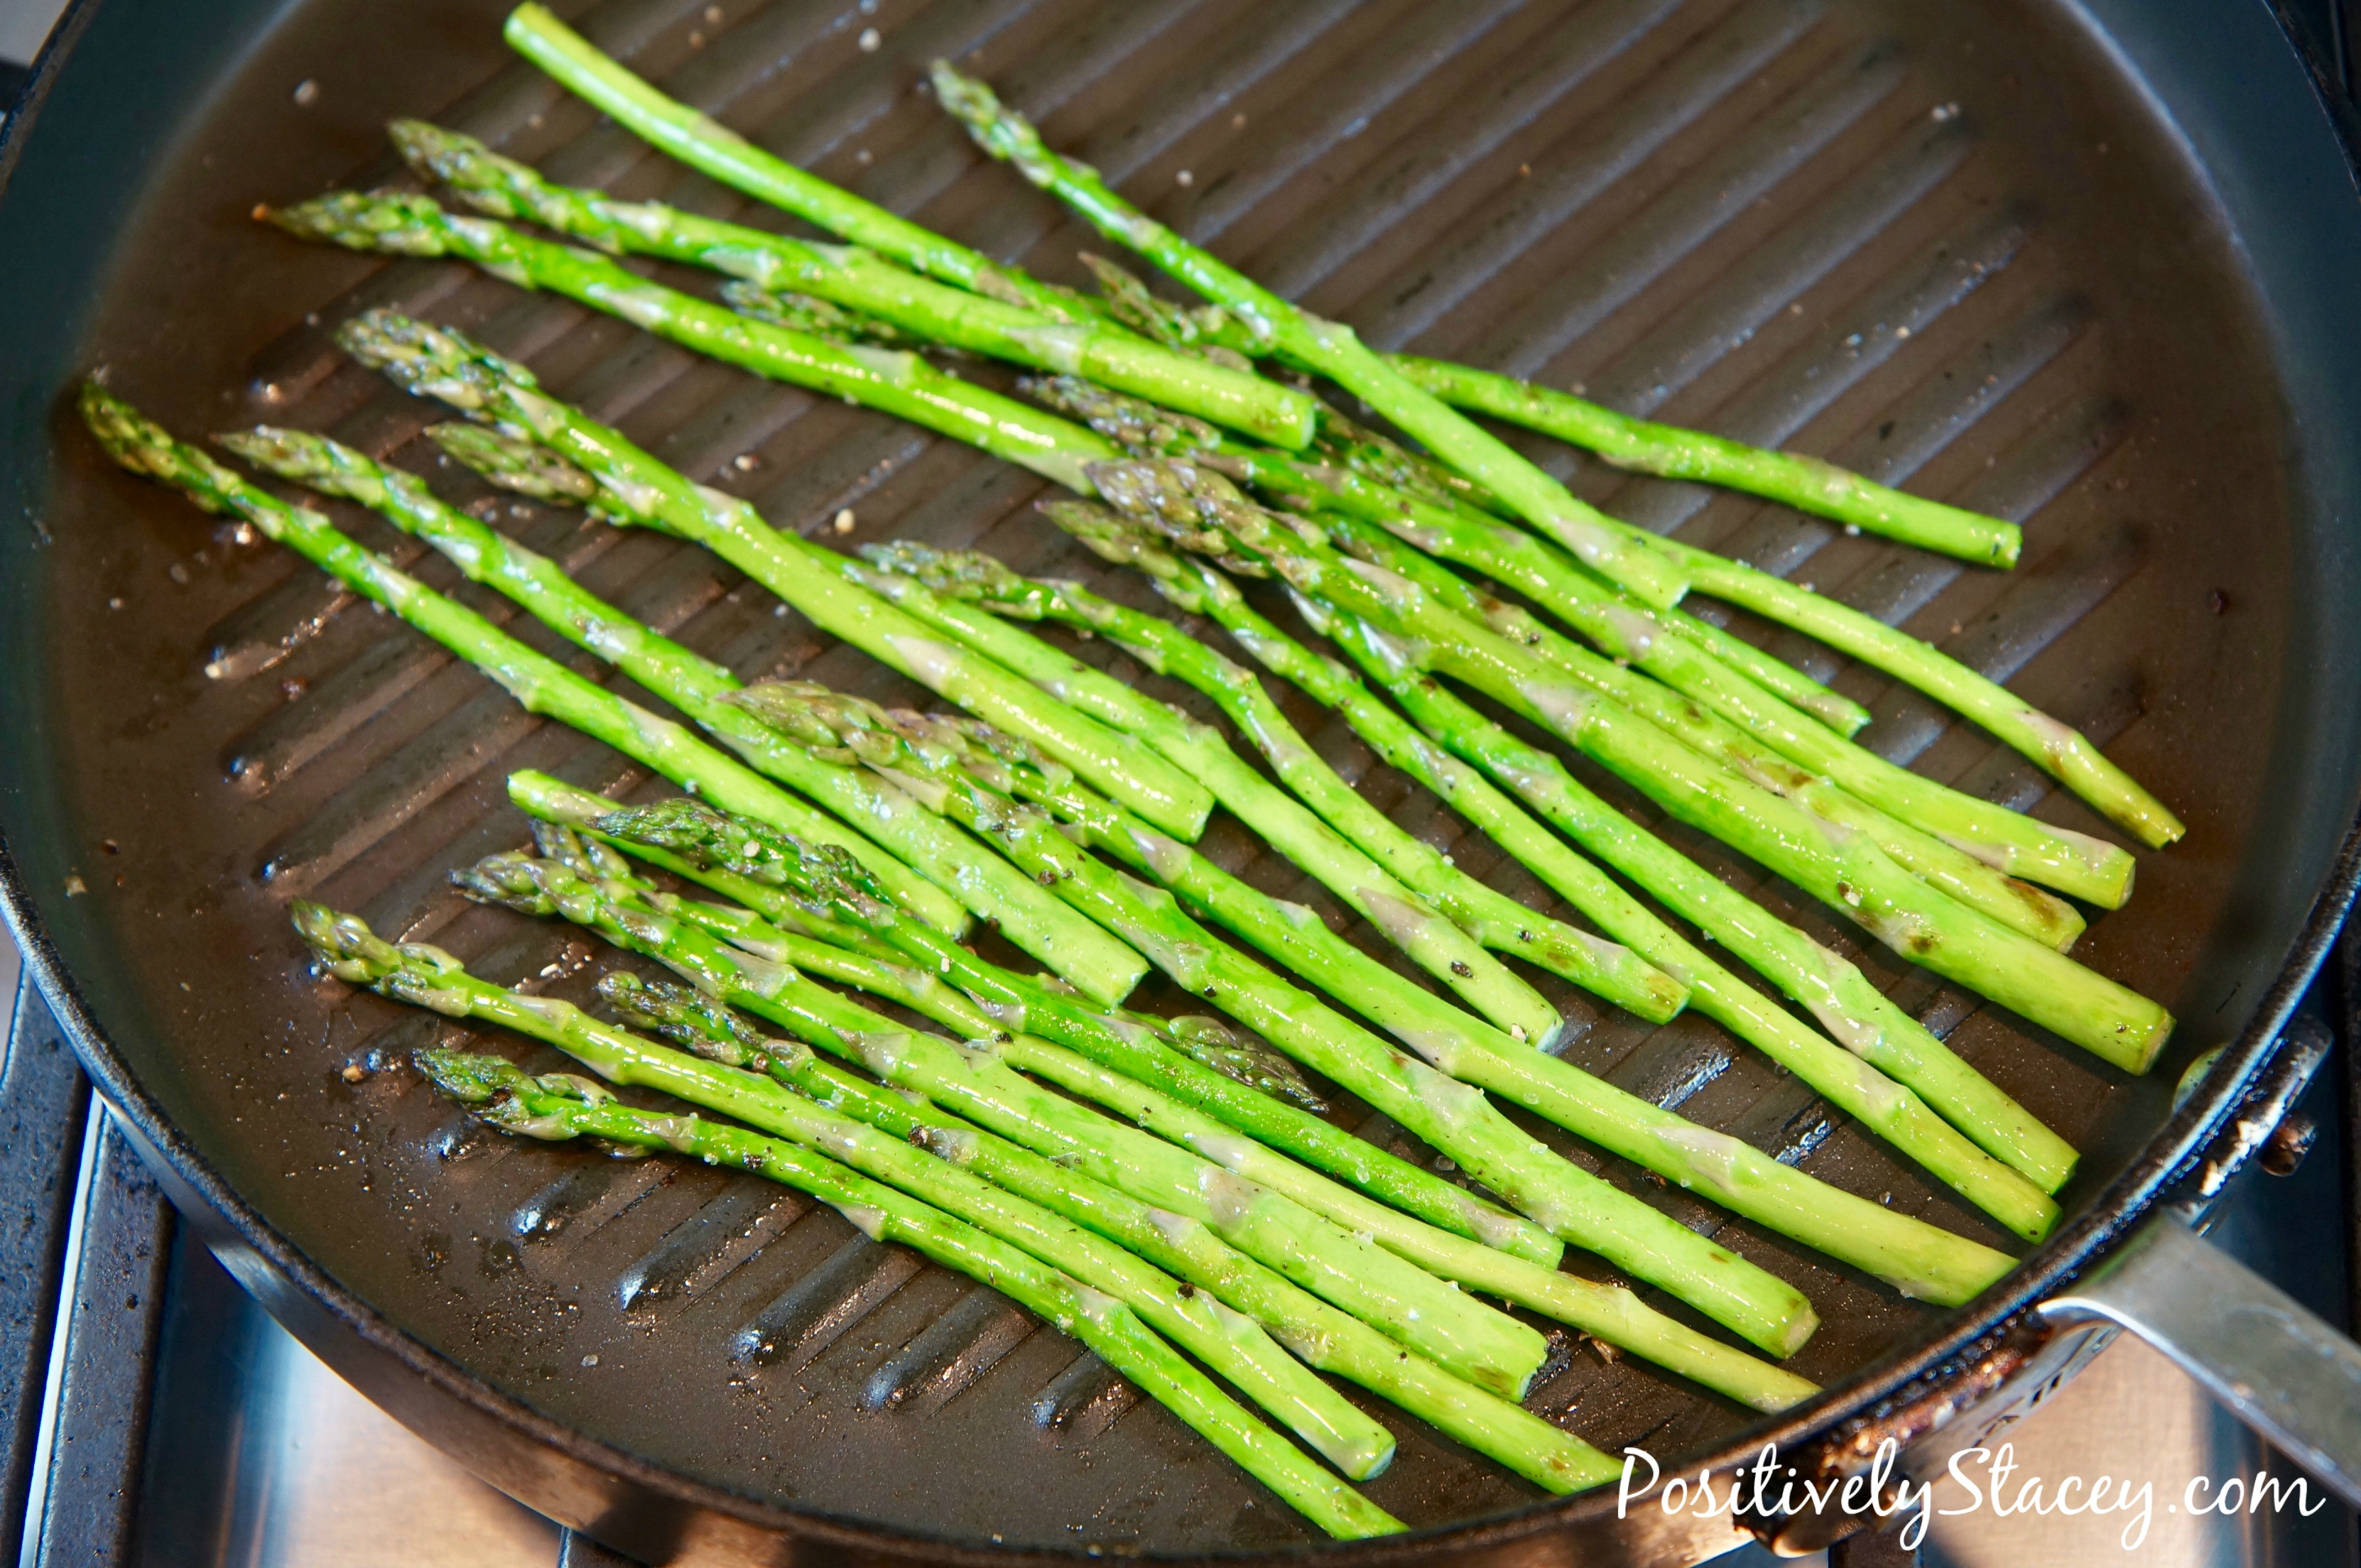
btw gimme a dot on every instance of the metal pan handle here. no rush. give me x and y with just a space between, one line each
2279 1368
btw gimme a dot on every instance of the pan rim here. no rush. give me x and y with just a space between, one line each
2111 1215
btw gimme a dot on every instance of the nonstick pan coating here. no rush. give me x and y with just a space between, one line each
1954 247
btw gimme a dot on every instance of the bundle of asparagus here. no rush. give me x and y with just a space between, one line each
1180 1183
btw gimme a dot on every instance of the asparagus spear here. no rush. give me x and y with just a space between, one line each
942 851
542 685
1848 870
634 487
1185 497
1456 1120
1807 484
495 391
2071 862
1913 1255
1328 347
1971 848
714 849
1236 1348
536 32
1809 974
1143 430
2062 751
1400 1300
1498 921
859 281
697 140
1609 1312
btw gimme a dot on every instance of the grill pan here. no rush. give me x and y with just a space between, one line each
2087 268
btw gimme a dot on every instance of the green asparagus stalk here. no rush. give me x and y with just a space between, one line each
1456 1120
495 391
1916 1256
1186 497
1328 347
571 60
859 281
1788 957
2071 862
1846 869
697 140
743 861
1326 1338
1807 484
636 488
2062 751
540 684
1607 1312
945 854
1235 1348
394 224
819 318
1486 1347
1970 849
1143 430
1500 922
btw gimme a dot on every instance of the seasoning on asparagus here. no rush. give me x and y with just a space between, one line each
1143 430
1240 1351
1917 1258
1456 1120
1188 496
1610 1313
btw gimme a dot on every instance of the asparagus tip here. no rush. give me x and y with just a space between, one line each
522 467
397 223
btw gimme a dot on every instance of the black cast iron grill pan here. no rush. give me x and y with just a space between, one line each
1963 250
